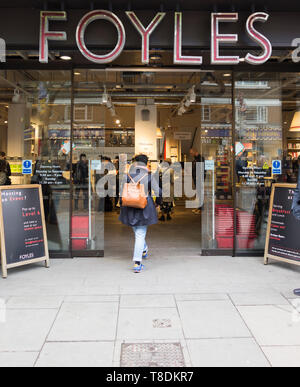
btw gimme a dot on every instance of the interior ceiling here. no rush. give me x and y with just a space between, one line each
163 87
205 5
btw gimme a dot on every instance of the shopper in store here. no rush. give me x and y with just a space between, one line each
197 158
3 172
7 168
167 189
137 218
81 176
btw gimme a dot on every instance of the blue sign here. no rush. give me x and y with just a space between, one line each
27 167
277 167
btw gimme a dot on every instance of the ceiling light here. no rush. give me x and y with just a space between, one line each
17 96
77 73
5 122
118 122
65 57
227 75
193 96
155 56
105 97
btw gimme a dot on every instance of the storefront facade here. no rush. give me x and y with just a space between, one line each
221 78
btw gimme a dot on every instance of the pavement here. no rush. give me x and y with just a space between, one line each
183 310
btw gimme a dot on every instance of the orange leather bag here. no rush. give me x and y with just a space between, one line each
134 194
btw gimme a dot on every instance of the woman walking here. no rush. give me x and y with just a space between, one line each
140 218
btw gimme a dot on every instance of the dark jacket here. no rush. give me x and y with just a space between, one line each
81 173
135 217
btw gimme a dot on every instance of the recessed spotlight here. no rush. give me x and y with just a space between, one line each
155 56
118 122
65 57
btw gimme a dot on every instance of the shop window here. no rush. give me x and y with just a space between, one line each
252 85
206 113
82 113
253 114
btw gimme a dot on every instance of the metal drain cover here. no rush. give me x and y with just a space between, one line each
152 355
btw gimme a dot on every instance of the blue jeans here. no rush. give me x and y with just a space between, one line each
140 246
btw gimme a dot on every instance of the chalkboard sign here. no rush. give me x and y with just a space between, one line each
283 235
23 231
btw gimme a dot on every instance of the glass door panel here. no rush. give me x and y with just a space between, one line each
258 144
37 130
215 138
88 143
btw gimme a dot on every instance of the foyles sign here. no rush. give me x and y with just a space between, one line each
217 38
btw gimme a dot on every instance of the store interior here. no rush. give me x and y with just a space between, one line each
162 113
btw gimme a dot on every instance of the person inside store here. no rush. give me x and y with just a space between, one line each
81 176
137 218
240 165
197 158
7 168
168 202
3 173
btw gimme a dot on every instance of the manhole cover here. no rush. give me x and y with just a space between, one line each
152 355
162 323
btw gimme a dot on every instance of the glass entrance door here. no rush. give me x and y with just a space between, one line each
33 127
88 139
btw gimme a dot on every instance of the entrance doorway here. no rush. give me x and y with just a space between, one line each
70 125
118 114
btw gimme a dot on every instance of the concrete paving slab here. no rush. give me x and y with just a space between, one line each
25 330
273 325
258 298
35 302
139 324
85 322
76 355
206 319
92 299
202 297
147 301
17 359
283 356
226 353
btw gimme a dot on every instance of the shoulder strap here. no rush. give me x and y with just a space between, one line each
136 182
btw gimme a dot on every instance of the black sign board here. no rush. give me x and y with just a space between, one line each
283 242
23 232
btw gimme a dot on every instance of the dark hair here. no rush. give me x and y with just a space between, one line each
2 154
141 159
82 155
2 166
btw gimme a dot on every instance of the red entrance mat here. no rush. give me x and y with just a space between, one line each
80 229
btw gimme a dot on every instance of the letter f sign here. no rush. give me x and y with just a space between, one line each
46 35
